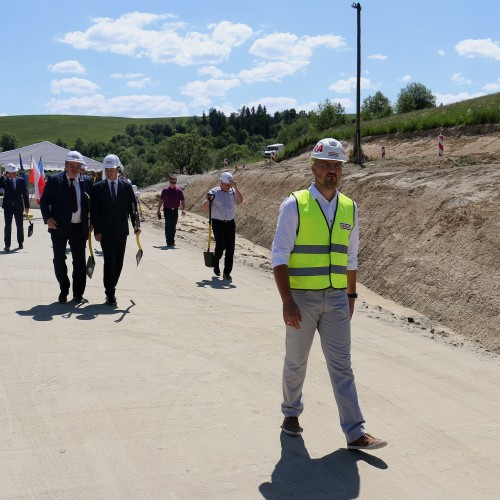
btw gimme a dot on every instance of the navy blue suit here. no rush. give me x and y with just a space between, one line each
15 200
110 219
56 203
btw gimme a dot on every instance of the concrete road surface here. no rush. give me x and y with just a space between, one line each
176 393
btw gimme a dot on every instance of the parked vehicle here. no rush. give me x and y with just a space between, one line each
277 148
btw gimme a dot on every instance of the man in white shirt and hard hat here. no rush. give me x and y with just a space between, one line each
225 197
314 260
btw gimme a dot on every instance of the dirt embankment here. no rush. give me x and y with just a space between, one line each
430 227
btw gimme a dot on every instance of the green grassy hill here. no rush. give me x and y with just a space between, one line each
30 129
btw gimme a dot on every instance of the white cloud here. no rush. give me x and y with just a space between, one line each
274 104
211 87
460 79
286 46
131 35
271 71
441 53
211 71
479 48
493 87
343 101
135 106
406 78
450 98
378 57
139 84
69 66
346 86
79 86
127 76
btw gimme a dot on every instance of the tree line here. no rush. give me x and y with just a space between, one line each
200 143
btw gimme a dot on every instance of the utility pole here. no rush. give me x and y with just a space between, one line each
357 137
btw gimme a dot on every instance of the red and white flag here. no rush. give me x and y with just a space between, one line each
38 178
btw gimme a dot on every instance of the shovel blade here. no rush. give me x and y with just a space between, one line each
30 230
209 259
90 266
138 256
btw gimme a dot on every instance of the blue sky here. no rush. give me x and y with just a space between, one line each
175 58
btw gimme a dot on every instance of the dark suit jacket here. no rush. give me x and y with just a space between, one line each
17 199
55 202
111 218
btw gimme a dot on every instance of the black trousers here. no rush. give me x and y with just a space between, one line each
18 216
171 217
113 249
225 238
77 241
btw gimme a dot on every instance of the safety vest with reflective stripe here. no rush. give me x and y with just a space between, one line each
319 257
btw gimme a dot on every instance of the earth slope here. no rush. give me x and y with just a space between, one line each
429 225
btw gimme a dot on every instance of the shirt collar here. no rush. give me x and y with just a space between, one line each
316 194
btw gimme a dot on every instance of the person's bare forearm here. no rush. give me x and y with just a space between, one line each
351 280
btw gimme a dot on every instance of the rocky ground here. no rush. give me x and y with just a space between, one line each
430 226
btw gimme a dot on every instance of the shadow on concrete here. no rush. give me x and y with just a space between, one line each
297 475
164 247
80 310
215 282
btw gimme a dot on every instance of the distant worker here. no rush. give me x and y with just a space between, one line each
15 202
64 207
113 201
226 197
314 260
171 198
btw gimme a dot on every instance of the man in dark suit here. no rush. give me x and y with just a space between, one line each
65 206
15 201
113 201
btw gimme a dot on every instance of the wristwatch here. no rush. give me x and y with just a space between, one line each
353 295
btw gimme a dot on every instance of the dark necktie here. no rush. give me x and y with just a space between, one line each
113 191
72 195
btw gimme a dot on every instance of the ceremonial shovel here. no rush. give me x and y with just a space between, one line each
89 268
208 255
138 255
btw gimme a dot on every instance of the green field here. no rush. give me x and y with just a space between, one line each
30 129
36 128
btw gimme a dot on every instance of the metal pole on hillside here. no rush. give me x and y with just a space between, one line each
357 137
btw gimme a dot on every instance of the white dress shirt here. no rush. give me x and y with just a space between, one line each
288 220
77 216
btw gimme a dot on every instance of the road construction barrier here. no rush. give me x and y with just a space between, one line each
440 145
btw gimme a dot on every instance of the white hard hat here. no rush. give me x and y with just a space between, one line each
75 157
111 161
329 149
11 168
226 177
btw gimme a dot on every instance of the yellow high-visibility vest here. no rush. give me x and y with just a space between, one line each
319 257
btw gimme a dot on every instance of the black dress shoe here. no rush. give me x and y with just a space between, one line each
227 277
78 298
63 298
6 249
20 246
111 300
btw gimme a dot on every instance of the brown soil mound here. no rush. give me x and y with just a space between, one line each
430 226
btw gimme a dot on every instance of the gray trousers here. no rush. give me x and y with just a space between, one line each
328 312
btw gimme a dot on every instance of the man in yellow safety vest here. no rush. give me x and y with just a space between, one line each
314 259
